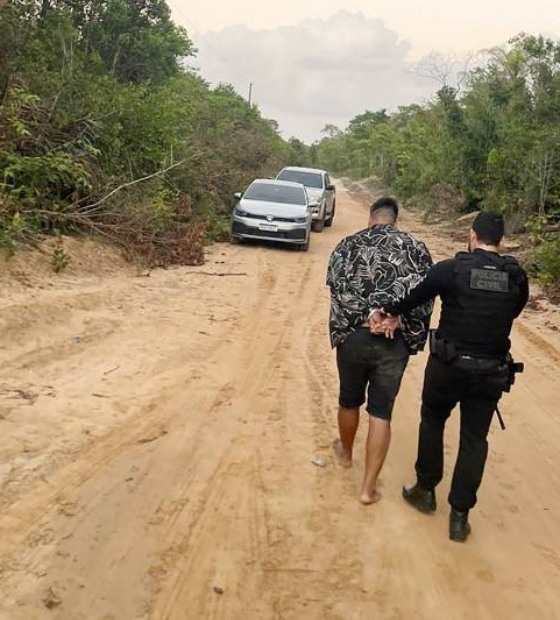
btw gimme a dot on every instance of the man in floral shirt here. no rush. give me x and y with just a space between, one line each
367 271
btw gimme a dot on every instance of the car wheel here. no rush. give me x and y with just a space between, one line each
329 220
318 225
303 247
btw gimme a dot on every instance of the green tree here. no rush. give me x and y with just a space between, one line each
103 128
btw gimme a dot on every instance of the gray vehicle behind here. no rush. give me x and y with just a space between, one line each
321 192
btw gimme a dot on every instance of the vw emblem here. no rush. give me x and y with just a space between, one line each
270 218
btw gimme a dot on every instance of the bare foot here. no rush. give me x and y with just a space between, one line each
343 458
368 498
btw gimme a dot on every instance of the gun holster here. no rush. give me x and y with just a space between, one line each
514 368
443 350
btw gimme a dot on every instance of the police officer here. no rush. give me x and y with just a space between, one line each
482 293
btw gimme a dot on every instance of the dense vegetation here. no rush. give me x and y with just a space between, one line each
104 129
492 144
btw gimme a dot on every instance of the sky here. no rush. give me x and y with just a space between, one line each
318 62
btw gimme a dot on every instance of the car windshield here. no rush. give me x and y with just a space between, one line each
309 179
276 193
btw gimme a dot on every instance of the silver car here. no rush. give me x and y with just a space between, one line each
273 210
321 192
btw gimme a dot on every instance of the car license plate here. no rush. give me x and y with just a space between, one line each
268 227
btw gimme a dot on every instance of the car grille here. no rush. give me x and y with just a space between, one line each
294 235
290 220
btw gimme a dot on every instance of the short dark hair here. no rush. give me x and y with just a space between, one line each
489 227
386 203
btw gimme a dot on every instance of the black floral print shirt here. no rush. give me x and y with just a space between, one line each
371 269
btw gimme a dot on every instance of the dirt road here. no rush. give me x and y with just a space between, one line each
156 445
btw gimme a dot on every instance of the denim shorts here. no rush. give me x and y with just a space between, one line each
372 364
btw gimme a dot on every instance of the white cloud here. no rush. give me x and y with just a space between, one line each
322 71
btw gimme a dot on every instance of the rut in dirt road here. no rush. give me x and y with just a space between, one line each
180 484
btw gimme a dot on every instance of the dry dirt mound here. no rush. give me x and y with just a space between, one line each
31 267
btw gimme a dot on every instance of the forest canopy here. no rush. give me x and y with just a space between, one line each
491 143
104 128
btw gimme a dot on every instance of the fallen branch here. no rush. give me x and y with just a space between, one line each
108 372
131 183
213 273
151 438
159 173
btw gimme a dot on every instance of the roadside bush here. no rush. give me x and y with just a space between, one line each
60 259
546 261
104 130
491 143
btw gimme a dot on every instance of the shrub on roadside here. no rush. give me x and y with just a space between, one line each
127 143
489 142
546 260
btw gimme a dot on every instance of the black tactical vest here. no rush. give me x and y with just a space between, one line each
478 312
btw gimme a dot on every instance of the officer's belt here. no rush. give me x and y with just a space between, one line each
478 364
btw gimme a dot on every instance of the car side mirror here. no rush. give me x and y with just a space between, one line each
330 188
238 195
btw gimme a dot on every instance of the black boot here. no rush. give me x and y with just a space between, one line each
459 527
422 499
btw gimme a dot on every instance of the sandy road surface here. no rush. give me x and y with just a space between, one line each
159 465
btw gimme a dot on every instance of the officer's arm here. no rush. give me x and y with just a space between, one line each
434 284
524 295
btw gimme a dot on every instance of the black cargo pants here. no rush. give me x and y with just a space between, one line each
478 393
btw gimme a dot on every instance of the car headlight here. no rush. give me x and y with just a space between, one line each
241 212
300 220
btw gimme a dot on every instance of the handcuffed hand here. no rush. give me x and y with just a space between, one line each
382 323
